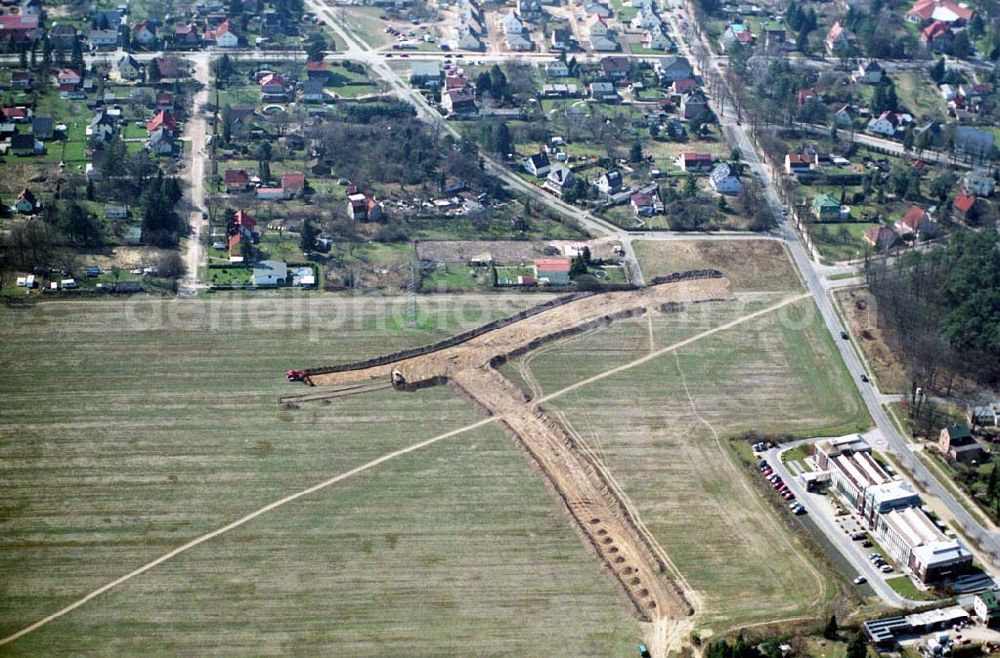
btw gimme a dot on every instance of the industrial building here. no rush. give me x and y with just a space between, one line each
891 509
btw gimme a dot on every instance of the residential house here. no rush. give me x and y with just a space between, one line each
144 34
916 223
459 101
845 116
837 40
615 68
973 142
102 127
18 30
530 9
775 38
656 39
116 212
598 9
26 203
881 237
803 96
645 19
963 207
946 11
983 415
986 605
293 182
270 194
598 26
107 19
558 90
24 144
128 67
69 77
518 41
554 271
245 225
162 119
884 124
693 105
937 36
187 36
511 24
561 39
236 180
317 71
869 72
164 101
426 73
673 68
694 162
725 180
538 164
736 34
609 182
312 91
957 442
19 114
979 182
603 43
825 208
42 128
236 248
556 69
363 208
161 141
270 273
468 40
604 92
273 87
224 36
559 180
103 38
21 80
645 204
63 36
684 86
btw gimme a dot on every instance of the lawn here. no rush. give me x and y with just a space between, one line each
364 24
918 94
905 587
659 429
840 242
157 421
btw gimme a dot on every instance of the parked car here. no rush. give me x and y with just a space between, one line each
860 580
858 536
885 568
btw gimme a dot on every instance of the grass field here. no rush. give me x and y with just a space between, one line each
748 264
145 434
768 375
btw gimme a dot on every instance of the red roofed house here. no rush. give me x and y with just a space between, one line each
317 71
945 11
937 35
164 119
690 161
293 182
224 37
683 86
963 206
798 163
916 223
235 248
187 35
804 95
69 77
555 271
881 237
245 225
273 85
837 39
236 180
164 101
643 205
271 194
18 28
143 33
17 114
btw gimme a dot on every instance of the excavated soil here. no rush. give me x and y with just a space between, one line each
598 515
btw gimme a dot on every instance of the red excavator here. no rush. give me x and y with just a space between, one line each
298 376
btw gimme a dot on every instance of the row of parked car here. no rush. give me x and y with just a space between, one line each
880 563
779 485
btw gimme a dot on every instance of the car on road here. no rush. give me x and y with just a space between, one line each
860 580
843 334
864 378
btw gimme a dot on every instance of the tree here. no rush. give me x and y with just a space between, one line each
504 142
484 83
690 187
938 71
960 46
498 82
830 631
577 266
316 49
307 238
858 646
635 152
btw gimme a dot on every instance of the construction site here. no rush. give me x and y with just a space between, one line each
468 362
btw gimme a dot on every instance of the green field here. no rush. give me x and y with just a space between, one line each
776 374
144 434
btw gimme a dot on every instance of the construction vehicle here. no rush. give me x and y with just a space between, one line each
299 376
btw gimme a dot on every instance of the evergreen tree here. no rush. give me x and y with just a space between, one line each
635 152
858 647
830 632
938 71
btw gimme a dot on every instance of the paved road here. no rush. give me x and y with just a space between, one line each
196 133
895 442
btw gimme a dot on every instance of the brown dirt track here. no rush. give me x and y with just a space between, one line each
600 516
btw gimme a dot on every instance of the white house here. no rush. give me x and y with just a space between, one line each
885 124
270 273
724 180
979 182
538 164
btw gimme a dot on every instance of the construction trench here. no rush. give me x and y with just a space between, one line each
468 364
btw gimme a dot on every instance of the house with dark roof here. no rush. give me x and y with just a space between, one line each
538 164
559 180
958 443
881 238
43 128
615 68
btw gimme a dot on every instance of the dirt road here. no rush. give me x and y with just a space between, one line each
602 518
195 135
